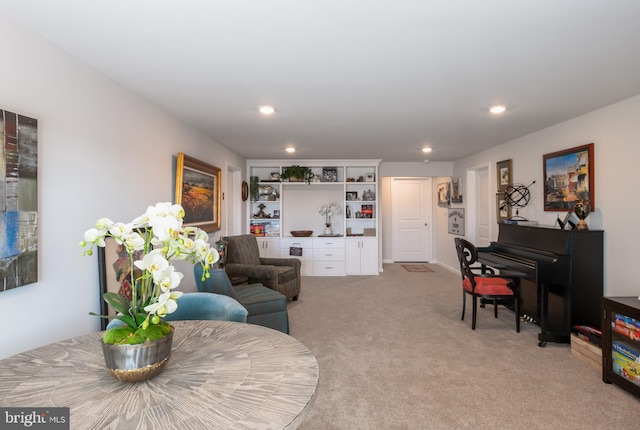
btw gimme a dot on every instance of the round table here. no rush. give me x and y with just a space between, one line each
221 375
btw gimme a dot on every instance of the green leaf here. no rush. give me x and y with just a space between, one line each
117 302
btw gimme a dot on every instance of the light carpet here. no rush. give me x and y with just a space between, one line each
395 355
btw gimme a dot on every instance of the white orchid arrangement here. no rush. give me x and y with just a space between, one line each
328 209
152 241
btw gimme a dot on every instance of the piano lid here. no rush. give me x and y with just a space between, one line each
535 237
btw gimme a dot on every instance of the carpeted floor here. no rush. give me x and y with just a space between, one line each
416 268
395 355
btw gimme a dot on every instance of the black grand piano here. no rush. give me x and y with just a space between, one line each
560 272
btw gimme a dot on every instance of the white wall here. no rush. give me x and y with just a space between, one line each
614 130
101 152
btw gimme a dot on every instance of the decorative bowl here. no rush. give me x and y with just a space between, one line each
302 233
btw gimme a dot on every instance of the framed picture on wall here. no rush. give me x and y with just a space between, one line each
504 174
503 210
456 189
198 191
456 221
444 193
568 177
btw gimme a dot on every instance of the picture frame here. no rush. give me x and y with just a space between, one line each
503 210
370 177
351 196
329 174
504 174
444 193
198 191
456 189
114 275
456 221
568 177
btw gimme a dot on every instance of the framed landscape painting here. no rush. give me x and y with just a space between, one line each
198 191
568 177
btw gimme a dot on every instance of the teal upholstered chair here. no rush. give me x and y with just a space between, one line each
266 307
203 306
242 260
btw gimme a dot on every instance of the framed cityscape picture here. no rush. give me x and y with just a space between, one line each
568 178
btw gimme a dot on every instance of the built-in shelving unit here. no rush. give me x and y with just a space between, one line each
277 207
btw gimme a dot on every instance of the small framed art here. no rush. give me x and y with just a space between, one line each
504 174
503 210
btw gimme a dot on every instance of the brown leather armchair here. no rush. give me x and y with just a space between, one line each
243 259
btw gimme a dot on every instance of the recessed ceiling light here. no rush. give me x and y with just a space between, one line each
290 149
266 110
497 109
426 150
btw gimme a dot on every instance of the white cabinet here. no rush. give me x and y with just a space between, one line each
269 247
328 256
362 256
276 208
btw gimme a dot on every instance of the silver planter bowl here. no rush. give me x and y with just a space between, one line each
135 363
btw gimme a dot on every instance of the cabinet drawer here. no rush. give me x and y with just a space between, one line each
328 268
328 243
305 242
328 254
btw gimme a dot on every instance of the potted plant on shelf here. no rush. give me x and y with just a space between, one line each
152 241
297 173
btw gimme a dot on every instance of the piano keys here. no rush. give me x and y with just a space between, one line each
560 272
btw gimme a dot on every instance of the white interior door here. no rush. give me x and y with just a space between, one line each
482 207
411 219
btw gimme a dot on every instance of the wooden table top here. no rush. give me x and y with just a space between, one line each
221 375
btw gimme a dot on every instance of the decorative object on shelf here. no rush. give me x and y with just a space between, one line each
301 233
348 211
151 241
456 189
367 211
268 192
568 177
329 209
276 214
368 196
329 174
504 174
198 191
518 196
444 193
352 195
275 176
370 177
297 173
369 232
255 188
582 210
261 214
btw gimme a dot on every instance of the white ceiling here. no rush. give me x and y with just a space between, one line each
356 78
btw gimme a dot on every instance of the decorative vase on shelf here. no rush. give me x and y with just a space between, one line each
138 362
582 209
328 230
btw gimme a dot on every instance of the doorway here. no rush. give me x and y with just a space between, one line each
411 209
